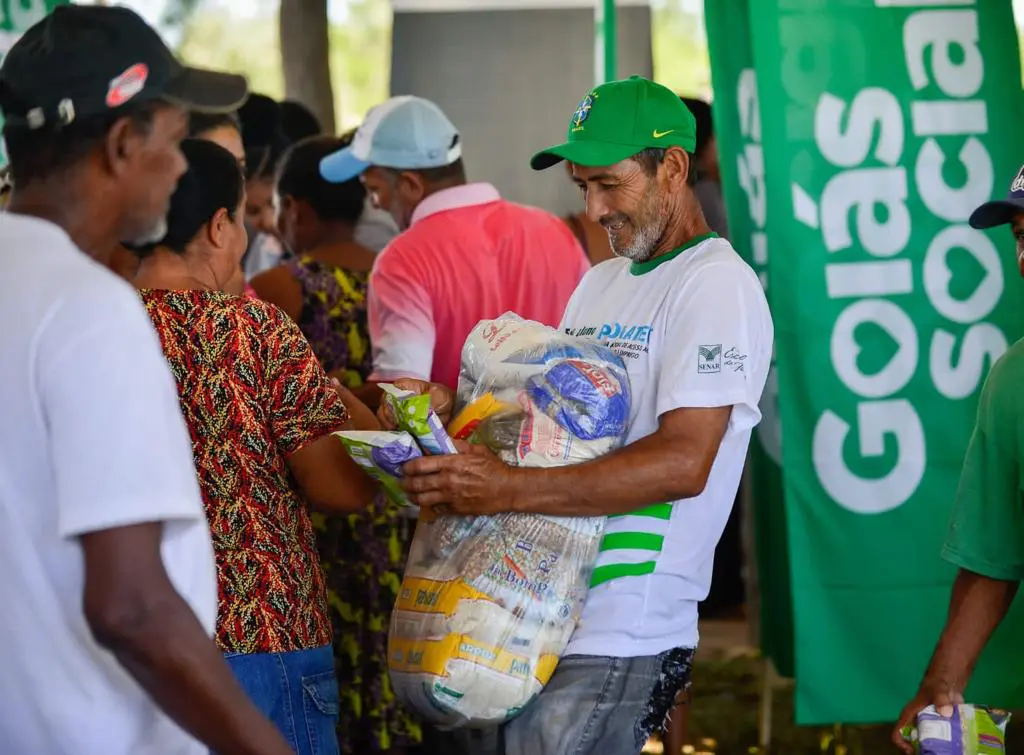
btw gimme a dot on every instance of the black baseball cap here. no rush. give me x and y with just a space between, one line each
1001 211
84 60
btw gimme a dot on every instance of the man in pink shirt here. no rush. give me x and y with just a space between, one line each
464 254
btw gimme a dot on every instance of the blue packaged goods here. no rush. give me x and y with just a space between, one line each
585 398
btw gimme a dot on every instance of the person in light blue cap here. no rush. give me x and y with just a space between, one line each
464 253
404 133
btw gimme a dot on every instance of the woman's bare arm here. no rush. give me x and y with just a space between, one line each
329 479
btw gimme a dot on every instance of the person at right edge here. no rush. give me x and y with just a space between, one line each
986 532
697 354
106 567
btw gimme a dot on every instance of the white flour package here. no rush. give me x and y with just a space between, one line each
488 604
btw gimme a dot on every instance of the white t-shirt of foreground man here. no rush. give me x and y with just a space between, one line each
107 577
690 319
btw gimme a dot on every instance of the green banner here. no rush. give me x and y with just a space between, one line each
884 125
15 17
737 115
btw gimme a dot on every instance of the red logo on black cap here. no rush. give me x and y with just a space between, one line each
127 85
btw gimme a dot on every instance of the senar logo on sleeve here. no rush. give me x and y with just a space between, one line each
709 358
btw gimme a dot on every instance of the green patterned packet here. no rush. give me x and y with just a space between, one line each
971 730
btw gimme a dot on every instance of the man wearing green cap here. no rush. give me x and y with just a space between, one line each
691 322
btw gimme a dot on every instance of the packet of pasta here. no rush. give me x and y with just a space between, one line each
413 415
971 730
472 415
381 454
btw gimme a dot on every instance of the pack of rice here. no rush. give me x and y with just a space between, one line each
488 603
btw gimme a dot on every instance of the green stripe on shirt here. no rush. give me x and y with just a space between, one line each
656 511
617 541
607 573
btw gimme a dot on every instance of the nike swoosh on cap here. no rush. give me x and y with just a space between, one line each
658 134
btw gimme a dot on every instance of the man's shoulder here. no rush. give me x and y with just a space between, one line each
716 263
717 251
1007 374
605 271
535 217
37 250
82 295
408 246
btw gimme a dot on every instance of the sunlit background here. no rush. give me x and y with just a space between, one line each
242 35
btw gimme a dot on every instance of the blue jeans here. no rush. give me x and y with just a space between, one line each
592 706
298 691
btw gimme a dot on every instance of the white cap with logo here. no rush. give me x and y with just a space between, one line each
403 133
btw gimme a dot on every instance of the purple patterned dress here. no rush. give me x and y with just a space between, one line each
363 555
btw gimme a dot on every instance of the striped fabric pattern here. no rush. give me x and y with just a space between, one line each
632 543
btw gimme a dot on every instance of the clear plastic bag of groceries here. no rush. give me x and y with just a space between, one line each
487 604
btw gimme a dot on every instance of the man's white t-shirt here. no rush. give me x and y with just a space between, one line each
91 438
694 330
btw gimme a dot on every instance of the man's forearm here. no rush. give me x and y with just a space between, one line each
977 606
645 472
163 646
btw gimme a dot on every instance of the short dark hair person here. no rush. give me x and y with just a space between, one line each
298 176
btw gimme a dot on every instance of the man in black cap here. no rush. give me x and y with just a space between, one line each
986 534
108 581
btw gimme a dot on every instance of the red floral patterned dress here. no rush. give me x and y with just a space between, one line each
252 392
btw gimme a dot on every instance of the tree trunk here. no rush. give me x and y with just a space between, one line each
305 58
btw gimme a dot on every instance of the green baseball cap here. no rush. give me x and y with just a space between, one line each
619 119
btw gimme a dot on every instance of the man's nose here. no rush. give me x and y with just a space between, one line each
597 206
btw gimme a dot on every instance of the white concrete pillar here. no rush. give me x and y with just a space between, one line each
509 73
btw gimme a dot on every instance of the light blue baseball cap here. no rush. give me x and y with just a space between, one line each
403 133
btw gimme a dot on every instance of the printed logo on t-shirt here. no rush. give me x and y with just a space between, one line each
709 358
734 360
628 341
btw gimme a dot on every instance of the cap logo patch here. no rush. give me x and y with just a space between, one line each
1018 182
582 112
127 85
658 134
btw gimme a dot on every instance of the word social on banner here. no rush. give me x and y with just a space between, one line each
883 125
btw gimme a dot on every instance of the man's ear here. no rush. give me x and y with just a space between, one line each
411 185
123 143
677 166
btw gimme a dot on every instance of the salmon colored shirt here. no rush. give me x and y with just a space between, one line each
467 256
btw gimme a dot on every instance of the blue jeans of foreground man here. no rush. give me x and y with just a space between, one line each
593 705
298 691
